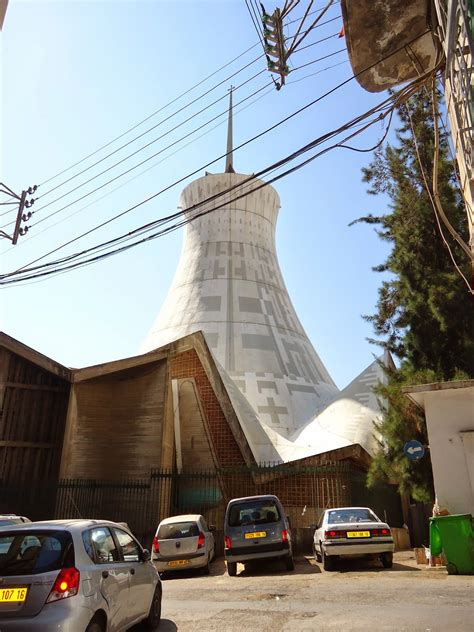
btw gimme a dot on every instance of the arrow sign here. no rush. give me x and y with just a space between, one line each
414 450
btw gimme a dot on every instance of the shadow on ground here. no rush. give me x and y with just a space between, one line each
303 566
166 625
360 565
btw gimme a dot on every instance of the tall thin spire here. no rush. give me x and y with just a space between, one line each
229 168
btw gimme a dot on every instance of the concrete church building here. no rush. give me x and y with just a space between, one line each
229 285
227 379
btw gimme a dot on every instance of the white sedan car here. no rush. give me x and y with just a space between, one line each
183 542
352 531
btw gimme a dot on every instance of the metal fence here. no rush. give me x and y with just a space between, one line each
303 489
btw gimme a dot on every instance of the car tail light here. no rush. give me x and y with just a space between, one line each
66 585
227 543
384 531
201 540
285 536
329 535
156 545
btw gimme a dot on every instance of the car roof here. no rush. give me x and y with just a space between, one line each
258 497
348 508
67 524
181 518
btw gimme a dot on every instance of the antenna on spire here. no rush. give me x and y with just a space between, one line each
229 168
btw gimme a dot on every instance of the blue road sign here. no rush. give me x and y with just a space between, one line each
414 450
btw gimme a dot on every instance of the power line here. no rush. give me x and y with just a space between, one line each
148 158
235 113
152 128
291 157
187 211
418 81
310 63
166 106
255 24
158 124
130 129
313 74
82 197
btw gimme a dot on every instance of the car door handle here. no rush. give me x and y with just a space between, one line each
105 574
132 571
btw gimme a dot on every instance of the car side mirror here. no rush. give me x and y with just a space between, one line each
146 556
212 528
313 526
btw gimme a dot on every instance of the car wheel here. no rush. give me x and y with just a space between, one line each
232 569
94 626
328 562
207 569
317 556
290 563
154 616
387 560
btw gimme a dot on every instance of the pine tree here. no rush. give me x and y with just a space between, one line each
424 310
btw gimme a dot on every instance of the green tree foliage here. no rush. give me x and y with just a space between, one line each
424 310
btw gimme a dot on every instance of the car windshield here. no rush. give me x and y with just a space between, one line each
340 516
175 530
34 552
253 512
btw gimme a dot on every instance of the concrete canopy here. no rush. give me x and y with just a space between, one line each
389 41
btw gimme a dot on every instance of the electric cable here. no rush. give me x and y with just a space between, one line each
146 159
180 96
275 165
149 130
303 108
83 208
139 164
184 222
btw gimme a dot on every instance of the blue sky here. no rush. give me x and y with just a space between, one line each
75 75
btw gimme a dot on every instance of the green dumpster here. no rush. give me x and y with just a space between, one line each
455 536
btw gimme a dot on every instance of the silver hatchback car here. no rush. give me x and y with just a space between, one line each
75 576
184 542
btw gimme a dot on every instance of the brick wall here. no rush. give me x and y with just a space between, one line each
187 364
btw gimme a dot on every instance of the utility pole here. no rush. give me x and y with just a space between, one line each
275 45
23 203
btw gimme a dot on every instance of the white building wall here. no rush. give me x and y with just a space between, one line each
450 423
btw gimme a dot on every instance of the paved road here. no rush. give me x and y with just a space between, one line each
357 596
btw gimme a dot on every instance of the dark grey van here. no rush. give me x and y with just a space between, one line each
256 527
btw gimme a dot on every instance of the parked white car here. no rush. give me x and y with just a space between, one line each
183 542
352 531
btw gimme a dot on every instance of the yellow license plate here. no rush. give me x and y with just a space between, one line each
15 595
256 534
178 563
358 534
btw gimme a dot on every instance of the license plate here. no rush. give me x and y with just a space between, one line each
255 534
178 563
13 595
358 534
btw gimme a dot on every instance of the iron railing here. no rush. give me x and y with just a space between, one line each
303 489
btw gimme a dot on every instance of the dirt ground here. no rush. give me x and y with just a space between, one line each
358 595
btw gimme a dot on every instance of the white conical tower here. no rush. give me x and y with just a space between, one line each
229 285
